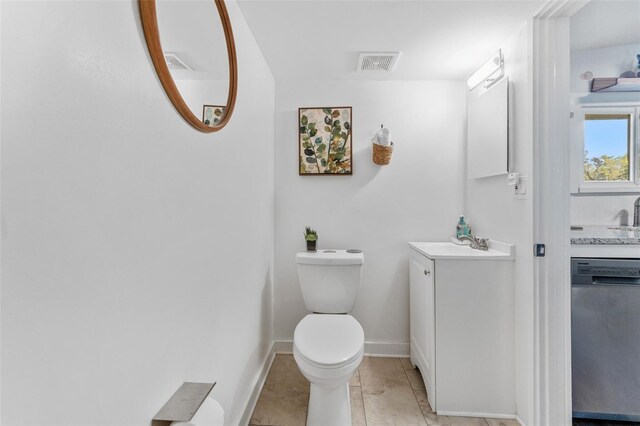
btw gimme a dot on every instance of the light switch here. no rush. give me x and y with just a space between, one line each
520 189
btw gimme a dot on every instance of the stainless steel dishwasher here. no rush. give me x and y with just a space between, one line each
605 338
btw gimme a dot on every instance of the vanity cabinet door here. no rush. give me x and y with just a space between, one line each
422 319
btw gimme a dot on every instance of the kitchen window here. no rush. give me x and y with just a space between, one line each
610 148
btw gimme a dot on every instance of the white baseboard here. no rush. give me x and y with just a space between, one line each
283 346
385 349
519 420
377 349
257 388
474 414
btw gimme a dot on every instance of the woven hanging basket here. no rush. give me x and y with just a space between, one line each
382 154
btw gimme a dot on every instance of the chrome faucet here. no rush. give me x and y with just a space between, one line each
636 212
476 243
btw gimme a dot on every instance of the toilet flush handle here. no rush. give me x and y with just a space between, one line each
427 272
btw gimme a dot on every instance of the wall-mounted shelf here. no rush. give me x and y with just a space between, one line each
183 404
615 84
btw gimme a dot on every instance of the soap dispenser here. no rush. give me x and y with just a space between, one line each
462 228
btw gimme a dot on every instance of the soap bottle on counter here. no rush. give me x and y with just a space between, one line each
460 227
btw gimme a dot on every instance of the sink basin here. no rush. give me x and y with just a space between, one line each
625 228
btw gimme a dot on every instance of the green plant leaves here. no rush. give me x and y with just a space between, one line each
304 120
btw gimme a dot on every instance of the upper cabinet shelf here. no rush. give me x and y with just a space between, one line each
615 84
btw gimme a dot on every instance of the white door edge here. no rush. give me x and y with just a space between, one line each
551 192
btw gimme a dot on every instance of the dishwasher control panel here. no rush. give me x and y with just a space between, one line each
585 270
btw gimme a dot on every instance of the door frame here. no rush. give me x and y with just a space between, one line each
551 204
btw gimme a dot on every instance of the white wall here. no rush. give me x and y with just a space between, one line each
136 251
380 208
603 209
494 213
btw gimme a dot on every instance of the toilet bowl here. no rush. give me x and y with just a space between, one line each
328 345
328 349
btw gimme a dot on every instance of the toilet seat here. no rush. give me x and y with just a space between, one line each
329 341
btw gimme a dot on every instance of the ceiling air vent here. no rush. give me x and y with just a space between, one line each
175 63
382 61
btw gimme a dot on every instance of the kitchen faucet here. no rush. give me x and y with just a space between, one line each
636 212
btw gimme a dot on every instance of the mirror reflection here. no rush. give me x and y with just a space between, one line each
605 97
194 47
605 44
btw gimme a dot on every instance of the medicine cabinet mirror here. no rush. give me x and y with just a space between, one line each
604 125
488 131
193 51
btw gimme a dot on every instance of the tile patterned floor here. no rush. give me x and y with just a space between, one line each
384 391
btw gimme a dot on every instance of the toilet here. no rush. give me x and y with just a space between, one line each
328 344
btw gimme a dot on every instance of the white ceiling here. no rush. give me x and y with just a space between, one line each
606 23
321 39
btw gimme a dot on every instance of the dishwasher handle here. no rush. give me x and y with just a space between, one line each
615 281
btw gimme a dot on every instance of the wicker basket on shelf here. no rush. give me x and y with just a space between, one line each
382 153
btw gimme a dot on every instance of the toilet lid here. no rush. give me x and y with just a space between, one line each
326 339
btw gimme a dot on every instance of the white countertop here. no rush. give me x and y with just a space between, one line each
450 251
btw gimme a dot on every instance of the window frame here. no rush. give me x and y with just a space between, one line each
633 185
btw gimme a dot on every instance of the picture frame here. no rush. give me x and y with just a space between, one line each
325 141
213 114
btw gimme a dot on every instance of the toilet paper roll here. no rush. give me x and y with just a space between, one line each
383 136
210 413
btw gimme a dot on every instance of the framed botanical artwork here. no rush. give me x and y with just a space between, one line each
212 114
324 141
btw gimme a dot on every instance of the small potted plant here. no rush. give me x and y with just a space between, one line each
311 237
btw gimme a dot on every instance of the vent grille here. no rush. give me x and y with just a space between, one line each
175 63
385 61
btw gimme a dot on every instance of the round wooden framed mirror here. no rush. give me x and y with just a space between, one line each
194 55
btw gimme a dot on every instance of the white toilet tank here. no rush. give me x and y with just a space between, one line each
330 280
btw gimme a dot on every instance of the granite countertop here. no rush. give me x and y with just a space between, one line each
604 235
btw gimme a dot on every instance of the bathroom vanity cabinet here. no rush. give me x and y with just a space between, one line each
462 327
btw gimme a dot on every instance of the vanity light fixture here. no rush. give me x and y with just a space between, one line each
489 73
